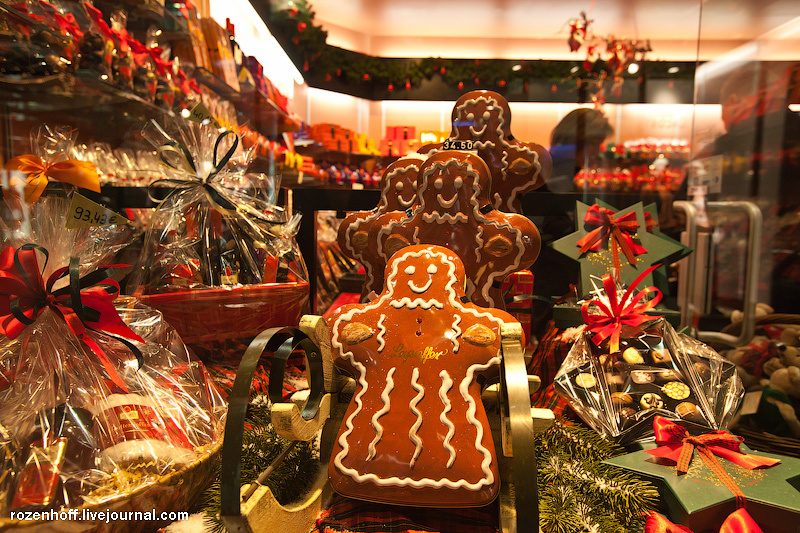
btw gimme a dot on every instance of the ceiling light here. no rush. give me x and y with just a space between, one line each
516 67
633 68
673 70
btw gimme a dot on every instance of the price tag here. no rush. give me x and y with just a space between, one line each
750 404
454 144
202 115
84 213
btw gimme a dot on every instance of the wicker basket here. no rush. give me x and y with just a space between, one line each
173 492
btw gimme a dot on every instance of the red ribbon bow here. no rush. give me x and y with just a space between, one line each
625 311
616 231
738 521
86 304
678 446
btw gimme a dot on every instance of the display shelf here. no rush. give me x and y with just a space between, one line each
264 115
319 153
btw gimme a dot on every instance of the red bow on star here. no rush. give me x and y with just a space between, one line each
738 521
86 304
611 232
629 310
678 446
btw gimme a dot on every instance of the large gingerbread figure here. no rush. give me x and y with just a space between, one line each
358 232
454 211
484 119
416 432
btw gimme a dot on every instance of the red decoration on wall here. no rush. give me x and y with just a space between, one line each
301 27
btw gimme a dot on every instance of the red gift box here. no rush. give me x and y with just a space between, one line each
519 284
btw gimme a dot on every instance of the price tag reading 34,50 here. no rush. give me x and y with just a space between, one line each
84 213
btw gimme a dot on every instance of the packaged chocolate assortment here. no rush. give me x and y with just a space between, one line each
100 397
630 366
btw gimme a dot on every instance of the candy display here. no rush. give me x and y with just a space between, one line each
105 398
416 432
628 367
454 209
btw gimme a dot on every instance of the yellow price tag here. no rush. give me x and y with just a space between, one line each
84 213
202 115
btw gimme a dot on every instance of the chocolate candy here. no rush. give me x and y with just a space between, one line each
651 400
585 380
626 416
621 398
640 377
676 390
688 411
632 356
661 357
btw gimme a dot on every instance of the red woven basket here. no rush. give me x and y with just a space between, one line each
221 313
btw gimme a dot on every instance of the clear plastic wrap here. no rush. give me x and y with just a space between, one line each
105 397
218 258
628 367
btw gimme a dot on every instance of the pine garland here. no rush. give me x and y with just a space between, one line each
578 493
260 446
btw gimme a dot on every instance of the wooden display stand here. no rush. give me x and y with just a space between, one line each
257 511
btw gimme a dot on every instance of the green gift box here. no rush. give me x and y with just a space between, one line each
653 247
569 315
700 501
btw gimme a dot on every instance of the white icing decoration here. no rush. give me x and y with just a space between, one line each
463 388
444 218
412 433
478 133
456 333
417 302
410 269
480 242
447 384
420 290
381 333
406 203
383 410
446 204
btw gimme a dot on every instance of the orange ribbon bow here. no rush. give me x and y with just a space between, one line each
678 446
629 310
73 171
613 232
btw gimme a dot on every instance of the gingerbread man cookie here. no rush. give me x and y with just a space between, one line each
416 432
358 232
454 211
484 119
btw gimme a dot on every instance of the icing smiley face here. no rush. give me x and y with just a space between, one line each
358 232
454 211
481 115
416 432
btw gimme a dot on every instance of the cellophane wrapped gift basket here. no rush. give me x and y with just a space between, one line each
102 407
629 366
219 257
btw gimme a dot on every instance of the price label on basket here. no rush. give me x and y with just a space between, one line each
202 115
84 213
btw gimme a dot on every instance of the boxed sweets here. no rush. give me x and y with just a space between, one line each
629 366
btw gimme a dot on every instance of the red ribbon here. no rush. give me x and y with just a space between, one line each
625 311
616 231
85 305
738 521
649 223
678 446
